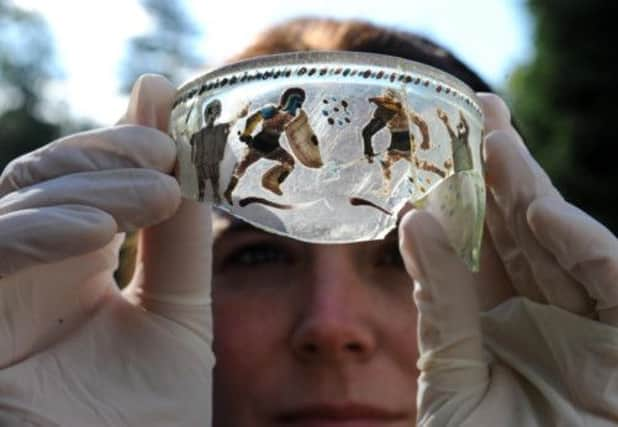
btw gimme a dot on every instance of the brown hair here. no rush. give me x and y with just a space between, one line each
330 34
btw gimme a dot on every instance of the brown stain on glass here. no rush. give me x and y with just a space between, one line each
357 201
259 200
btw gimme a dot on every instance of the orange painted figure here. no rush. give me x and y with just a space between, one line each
265 144
392 114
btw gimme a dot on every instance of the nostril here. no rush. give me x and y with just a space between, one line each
326 336
354 347
310 348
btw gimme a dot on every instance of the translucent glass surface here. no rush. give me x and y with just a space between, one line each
328 147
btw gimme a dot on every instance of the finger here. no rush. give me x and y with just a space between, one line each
451 360
113 148
46 302
173 269
135 198
496 112
493 284
583 247
39 236
498 116
511 254
516 180
150 102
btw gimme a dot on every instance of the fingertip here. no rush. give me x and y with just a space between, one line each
496 111
95 227
44 235
557 225
406 235
155 85
420 236
491 145
168 199
537 211
537 215
145 146
176 193
413 221
155 79
150 102
493 101
499 137
502 150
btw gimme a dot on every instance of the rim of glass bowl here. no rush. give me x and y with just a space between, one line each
324 64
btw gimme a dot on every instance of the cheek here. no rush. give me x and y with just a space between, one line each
243 328
402 338
249 333
399 322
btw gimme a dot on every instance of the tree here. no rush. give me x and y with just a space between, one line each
169 49
26 65
564 100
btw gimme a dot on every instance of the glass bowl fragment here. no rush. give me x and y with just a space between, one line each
328 147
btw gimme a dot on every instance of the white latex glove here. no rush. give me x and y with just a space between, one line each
545 352
74 350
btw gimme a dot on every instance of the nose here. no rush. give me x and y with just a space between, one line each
335 321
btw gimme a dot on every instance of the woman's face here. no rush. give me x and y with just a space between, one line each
309 335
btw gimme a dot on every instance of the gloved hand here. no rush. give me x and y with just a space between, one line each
74 350
545 349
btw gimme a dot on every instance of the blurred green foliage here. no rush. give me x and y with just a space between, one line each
564 98
26 65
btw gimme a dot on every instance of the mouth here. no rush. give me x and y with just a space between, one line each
330 415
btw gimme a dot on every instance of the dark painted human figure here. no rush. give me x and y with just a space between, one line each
265 144
207 149
392 114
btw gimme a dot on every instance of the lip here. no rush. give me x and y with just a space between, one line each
348 414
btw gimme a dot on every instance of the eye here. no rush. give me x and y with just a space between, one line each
390 256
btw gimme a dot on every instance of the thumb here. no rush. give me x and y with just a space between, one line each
173 268
454 374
